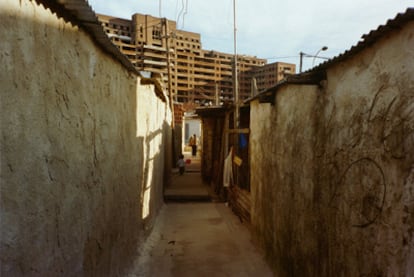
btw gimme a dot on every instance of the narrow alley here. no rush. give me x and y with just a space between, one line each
194 235
313 175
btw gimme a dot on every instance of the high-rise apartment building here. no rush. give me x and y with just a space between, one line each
268 75
189 72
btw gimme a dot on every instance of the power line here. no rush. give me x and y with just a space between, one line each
282 57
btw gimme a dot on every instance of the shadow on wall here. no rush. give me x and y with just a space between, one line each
156 170
72 167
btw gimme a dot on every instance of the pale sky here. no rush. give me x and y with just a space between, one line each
270 29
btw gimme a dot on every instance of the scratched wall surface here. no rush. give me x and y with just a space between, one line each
82 150
332 168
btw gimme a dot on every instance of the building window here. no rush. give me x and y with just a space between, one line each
156 33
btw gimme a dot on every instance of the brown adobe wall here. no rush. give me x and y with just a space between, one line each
78 157
332 169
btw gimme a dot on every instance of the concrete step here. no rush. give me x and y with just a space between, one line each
181 197
186 188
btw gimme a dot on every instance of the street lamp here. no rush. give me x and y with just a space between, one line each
324 48
317 53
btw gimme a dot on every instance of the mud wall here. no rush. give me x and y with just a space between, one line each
82 150
332 168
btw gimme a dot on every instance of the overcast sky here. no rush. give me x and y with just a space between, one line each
271 29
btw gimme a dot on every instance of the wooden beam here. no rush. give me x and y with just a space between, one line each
239 131
267 98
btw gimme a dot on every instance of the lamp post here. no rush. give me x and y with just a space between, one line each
324 48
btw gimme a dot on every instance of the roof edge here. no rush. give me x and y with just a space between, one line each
372 37
80 13
315 75
307 78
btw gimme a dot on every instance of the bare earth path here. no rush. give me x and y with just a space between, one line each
199 239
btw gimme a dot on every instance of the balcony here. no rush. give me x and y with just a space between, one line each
155 63
153 47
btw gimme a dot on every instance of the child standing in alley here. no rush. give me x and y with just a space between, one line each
181 164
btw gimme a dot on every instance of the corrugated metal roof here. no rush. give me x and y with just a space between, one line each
216 111
370 38
313 76
80 13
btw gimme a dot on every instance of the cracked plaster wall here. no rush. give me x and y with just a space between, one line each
82 150
332 168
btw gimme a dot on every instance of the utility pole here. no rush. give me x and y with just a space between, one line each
302 55
166 35
160 7
167 46
236 96
236 81
217 95
300 63
253 89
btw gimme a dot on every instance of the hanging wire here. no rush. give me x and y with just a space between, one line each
181 12
282 57
176 10
185 12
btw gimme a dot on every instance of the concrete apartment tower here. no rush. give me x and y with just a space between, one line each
190 73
